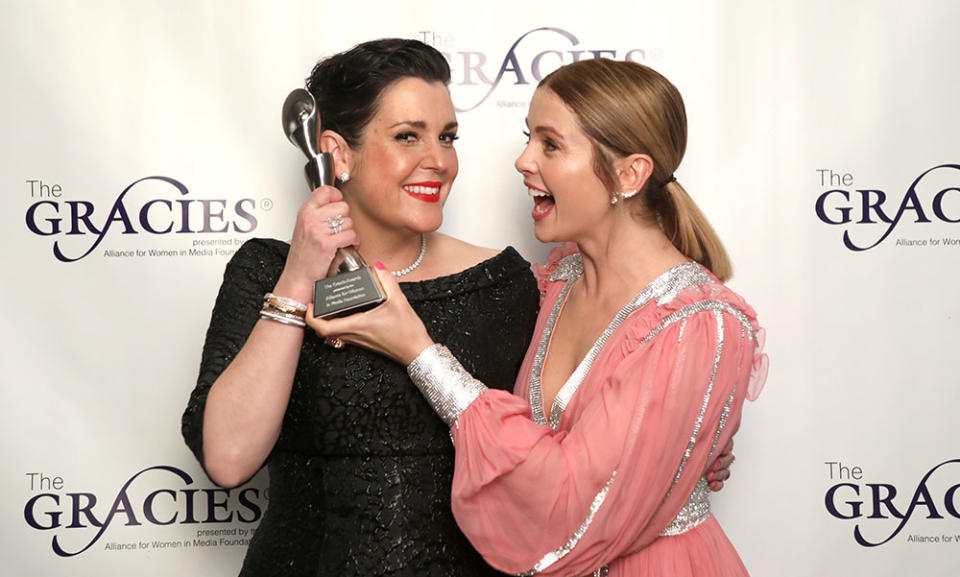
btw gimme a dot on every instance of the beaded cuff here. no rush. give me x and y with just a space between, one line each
446 385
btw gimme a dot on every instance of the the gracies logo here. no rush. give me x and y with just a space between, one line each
86 227
78 522
882 511
870 216
532 56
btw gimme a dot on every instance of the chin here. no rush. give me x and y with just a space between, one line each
543 235
427 225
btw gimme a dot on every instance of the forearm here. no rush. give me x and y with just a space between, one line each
246 404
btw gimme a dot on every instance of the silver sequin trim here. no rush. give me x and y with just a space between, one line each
664 289
554 556
694 512
722 424
601 572
536 393
568 268
706 401
700 306
447 386
718 308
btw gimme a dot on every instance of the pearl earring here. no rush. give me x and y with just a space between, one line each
630 194
344 176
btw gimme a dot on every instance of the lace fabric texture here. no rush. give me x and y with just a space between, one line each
360 476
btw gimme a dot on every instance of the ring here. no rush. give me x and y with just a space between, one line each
336 223
335 342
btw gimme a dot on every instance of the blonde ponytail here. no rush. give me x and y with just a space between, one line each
689 230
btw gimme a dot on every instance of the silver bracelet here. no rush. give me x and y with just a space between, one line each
447 386
283 318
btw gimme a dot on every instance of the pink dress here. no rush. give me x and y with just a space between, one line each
613 483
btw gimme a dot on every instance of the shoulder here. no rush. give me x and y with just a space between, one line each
258 256
730 315
703 292
468 268
457 255
262 248
688 295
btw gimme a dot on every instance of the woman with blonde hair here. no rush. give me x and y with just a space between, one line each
640 361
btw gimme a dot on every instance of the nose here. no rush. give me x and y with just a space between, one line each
435 156
524 164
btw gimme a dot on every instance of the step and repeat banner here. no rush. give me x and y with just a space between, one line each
142 144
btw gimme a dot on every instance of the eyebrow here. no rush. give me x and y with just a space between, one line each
549 131
423 125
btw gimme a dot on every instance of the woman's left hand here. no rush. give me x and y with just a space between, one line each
392 329
719 471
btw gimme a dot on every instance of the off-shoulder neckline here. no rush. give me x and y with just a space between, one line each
489 271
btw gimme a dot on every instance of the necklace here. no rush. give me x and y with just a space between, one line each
416 263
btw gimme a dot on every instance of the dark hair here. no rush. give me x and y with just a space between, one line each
348 86
626 108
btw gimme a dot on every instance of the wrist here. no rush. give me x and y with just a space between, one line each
284 310
415 349
301 291
446 385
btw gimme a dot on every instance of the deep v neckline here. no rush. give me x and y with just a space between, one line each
663 288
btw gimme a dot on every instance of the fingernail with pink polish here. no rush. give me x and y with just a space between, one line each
379 265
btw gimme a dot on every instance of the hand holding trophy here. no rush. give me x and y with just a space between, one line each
351 286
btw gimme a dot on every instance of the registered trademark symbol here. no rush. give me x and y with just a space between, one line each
266 204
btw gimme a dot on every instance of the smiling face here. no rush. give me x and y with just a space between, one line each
402 170
558 170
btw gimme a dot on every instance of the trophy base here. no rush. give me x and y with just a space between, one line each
347 293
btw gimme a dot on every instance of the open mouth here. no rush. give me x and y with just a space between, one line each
542 202
425 191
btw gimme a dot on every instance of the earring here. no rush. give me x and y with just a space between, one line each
344 176
629 194
615 198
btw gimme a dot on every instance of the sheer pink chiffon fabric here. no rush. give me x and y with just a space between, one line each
662 396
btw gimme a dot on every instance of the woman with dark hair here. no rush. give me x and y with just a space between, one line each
640 362
360 467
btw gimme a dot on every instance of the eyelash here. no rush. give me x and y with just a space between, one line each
408 137
547 143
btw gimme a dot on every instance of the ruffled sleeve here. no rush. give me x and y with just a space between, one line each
760 366
717 292
546 274
534 500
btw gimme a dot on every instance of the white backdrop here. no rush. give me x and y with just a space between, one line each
793 105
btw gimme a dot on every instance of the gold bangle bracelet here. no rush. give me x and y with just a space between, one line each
284 305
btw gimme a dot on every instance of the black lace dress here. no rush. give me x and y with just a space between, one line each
360 476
